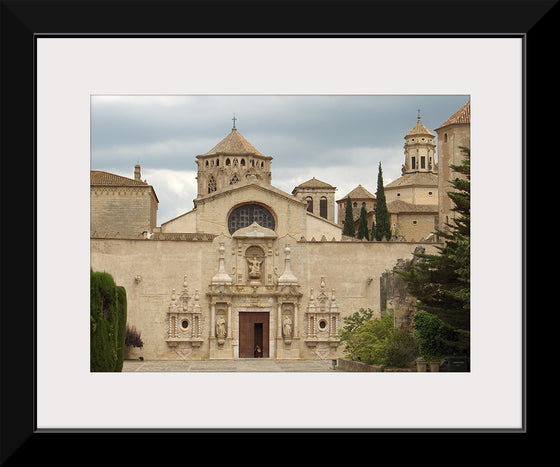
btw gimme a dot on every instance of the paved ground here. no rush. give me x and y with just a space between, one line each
241 365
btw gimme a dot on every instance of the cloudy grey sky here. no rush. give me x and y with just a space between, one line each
339 139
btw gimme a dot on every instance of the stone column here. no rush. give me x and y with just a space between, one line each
296 320
229 333
271 340
213 320
279 318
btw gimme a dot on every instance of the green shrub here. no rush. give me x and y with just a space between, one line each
375 340
108 322
121 335
436 339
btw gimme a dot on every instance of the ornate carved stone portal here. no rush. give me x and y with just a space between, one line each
247 283
184 322
322 322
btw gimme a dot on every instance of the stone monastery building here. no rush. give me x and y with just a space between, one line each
253 265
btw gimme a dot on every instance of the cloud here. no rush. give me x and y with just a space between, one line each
340 139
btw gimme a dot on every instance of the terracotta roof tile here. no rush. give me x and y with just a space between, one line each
234 144
463 115
415 178
358 193
403 206
314 183
98 177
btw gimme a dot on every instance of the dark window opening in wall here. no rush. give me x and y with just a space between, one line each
245 215
211 185
354 205
228 161
445 138
309 204
413 162
422 162
414 222
323 207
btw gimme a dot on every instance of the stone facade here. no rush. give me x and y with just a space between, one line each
412 199
121 206
359 197
179 280
452 135
319 197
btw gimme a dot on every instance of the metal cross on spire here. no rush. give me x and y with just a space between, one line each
234 119
418 114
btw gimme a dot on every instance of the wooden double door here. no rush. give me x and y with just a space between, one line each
253 332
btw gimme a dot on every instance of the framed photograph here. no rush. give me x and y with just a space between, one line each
85 77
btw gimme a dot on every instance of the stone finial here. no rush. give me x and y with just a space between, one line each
287 277
222 277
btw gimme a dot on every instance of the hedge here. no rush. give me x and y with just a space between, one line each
108 323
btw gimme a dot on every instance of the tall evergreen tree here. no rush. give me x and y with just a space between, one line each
372 233
382 219
441 282
349 220
362 226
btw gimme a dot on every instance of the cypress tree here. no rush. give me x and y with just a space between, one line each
382 219
349 220
107 322
362 226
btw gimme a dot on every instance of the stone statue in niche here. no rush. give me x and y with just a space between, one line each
287 327
254 268
221 331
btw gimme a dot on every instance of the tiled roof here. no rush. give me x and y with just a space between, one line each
403 206
463 115
419 129
234 144
358 193
314 183
98 177
415 178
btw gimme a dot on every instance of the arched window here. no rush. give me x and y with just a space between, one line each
243 162
228 161
354 204
245 215
217 162
235 162
309 204
323 207
211 185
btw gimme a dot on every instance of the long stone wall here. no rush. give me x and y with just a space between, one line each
150 269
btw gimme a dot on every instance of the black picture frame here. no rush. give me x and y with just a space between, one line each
24 21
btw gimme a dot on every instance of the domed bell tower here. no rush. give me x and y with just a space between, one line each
231 161
419 150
